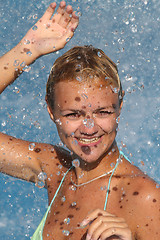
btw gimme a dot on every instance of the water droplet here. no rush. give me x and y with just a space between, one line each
134 28
3 124
78 78
128 77
23 64
60 166
35 16
26 68
67 39
31 146
58 173
73 204
75 163
26 41
16 63
58 121
126 21
84 96
89 123
112 165
99 54
65 232
63 199
103 188
73 188
157 185
42 176
29 53
67 221
34 28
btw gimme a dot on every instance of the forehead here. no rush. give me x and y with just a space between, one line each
84 94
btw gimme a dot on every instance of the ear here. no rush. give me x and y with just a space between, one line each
50 113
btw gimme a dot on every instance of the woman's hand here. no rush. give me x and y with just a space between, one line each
104 226
51 32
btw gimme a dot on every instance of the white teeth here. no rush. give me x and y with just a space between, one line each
86 140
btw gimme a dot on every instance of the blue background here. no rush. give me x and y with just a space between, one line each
128 32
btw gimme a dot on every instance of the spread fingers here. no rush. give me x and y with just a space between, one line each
49 12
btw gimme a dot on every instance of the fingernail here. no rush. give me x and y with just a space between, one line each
88 237
85 222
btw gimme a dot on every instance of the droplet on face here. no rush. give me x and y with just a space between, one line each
73 204
65 232
79 79
58 121
76 163
89 123
31 146
67 221
84 96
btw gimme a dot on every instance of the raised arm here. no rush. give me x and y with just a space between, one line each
49 34
17 157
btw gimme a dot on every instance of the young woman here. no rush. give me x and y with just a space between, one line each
98 193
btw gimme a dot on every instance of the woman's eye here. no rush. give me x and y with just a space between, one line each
104 113
72 115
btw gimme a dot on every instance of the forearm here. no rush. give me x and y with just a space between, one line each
13 63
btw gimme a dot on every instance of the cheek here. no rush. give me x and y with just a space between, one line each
69 127
108 125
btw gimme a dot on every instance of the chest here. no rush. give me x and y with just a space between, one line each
72 204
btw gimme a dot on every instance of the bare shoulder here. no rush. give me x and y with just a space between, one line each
142 209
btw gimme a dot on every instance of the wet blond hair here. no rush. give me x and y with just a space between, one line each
81 64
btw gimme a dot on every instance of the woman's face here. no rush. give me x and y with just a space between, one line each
86 117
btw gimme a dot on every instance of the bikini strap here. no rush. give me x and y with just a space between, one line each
110 178
55 195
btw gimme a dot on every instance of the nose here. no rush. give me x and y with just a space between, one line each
88 126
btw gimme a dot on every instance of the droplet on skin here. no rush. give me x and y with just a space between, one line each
42 176
63 199
67 221
79 79
76 163
31 146
16 63
65 232
34 28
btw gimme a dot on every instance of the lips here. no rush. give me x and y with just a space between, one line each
89 141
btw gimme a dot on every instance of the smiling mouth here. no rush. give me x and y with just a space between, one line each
89 141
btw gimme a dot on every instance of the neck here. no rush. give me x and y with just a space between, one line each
102 166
